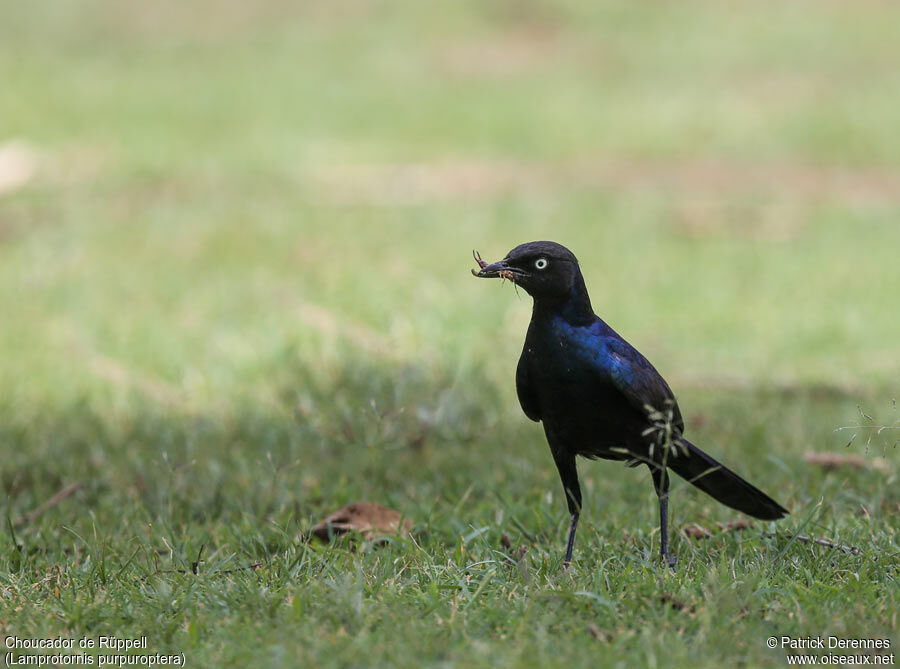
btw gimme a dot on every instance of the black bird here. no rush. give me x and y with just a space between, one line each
599 398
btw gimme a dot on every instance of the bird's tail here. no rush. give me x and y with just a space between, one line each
715 479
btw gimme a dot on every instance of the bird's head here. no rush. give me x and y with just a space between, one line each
546 270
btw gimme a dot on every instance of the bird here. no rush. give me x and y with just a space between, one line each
598 397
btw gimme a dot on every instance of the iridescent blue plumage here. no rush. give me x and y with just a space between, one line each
611 359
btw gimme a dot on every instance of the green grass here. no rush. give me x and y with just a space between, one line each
235 296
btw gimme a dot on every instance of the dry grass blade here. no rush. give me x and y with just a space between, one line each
828 543
33 515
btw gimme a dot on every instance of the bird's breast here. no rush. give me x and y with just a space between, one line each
579 402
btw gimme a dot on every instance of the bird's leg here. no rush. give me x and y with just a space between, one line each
571 542
565 463
661 483
664 531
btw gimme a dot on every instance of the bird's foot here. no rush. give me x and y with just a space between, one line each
670 560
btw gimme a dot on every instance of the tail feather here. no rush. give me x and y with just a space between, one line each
716 480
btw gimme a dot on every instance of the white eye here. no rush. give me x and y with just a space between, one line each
541 263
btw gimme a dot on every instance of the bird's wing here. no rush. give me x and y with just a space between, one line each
527 398
634 376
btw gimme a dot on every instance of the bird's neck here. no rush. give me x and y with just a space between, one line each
575 308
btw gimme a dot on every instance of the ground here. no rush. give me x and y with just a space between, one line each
235 243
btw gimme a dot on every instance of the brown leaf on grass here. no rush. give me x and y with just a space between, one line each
366 518
515 553
830 461
735 525
696 531
834 460
675 603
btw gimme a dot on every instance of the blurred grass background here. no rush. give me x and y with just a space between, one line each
235 242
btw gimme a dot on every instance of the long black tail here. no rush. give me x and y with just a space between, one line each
716 480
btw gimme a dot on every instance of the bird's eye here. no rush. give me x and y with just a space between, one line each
541 263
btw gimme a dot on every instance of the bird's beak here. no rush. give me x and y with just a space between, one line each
498 270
